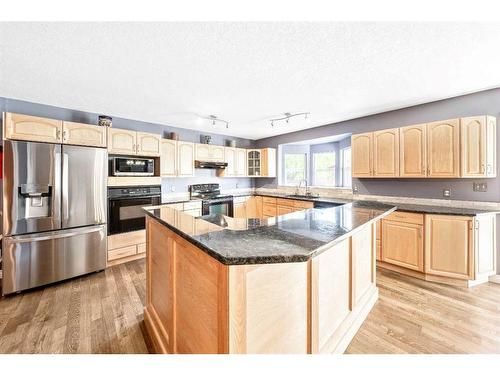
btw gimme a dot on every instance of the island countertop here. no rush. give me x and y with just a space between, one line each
293 237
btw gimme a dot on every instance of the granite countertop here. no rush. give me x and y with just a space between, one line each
294 237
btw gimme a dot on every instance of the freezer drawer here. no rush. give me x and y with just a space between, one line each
34 260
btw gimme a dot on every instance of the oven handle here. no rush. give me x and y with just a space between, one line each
133 196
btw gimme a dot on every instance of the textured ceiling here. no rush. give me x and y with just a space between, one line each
246 73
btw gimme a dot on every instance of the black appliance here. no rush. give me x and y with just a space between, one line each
125 207
210 164
213 202
128 166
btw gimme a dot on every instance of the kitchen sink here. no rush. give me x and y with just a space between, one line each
304 196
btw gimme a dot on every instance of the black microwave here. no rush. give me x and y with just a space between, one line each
127 166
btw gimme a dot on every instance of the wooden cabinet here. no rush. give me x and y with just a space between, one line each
121 141
485 245
185 159
241 162
206 152
261 162
362 151
413 151
449 246
253 207
31 128
478 146
236 159
168 158
239 210
125 247
84 134
148 144
443 149
403 244
282 210
386 153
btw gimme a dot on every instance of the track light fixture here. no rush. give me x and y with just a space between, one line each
215 119
288 115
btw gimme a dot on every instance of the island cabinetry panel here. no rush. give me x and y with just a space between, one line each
386 153
362 158
31 128
413 151
268 308
449 246
83 134
443 149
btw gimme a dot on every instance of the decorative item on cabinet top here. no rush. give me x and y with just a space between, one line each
456 148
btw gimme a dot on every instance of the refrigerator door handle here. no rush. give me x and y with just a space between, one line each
56 197
65 189
42 237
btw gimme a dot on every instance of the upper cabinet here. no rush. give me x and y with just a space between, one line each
236 159
168 158
75 133
206 152
443 148
386 153
185 159
148 144
413 151
31 128
478 140
453 148
261 162
129 142
362 150
177 158
241 162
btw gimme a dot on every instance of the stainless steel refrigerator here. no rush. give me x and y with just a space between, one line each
54 213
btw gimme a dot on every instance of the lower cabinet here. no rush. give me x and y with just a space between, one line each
124 247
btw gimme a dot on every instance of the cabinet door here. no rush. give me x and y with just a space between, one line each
448 246
168 158
491 146
202 152
412 151
121 141
485 245
216 153
84 134
473 144
403 244
254 162
148 144
362 149
282 210
386 153
268 162
185 159
443 149
239 210
31 128
230 159
241 162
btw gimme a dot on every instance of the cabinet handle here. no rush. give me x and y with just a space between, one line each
58 134
64 135
482 168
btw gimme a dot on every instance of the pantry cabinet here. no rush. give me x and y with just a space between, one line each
31 128
443 148
362 150
478 141
386 153
75 133
413 151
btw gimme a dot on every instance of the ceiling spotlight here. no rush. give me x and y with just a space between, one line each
272 123
215 119
288 115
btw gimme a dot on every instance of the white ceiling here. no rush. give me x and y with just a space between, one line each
245 73
319 141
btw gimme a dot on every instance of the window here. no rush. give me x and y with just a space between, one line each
295 168
346 166
324 169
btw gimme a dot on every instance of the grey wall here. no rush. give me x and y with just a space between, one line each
180 184
481 103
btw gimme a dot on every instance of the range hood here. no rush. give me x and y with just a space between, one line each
210 164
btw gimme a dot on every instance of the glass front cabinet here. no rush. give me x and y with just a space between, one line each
261 162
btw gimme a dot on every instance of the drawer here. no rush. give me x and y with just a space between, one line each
122 253
195 212
192 205
303 204
268 200
176 206
269 210
141 248
239 199
117 241
284 202
406 217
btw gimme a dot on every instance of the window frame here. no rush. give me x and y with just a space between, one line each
285 181
314 180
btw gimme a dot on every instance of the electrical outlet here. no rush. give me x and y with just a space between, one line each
480 186
355 189
172 188
237 185
447 193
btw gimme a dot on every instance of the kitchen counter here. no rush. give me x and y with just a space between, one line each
294 237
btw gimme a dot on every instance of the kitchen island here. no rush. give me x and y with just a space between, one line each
297 283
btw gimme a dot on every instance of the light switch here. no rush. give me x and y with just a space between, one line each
480 186
172 188
447 193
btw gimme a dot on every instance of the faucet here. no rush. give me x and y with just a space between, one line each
297 191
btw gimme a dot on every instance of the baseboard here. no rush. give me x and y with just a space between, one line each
495 279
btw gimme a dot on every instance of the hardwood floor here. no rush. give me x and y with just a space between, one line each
102 313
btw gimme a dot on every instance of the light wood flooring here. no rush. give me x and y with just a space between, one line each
102 313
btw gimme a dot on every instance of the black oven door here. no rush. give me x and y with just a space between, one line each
219 207
126 215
